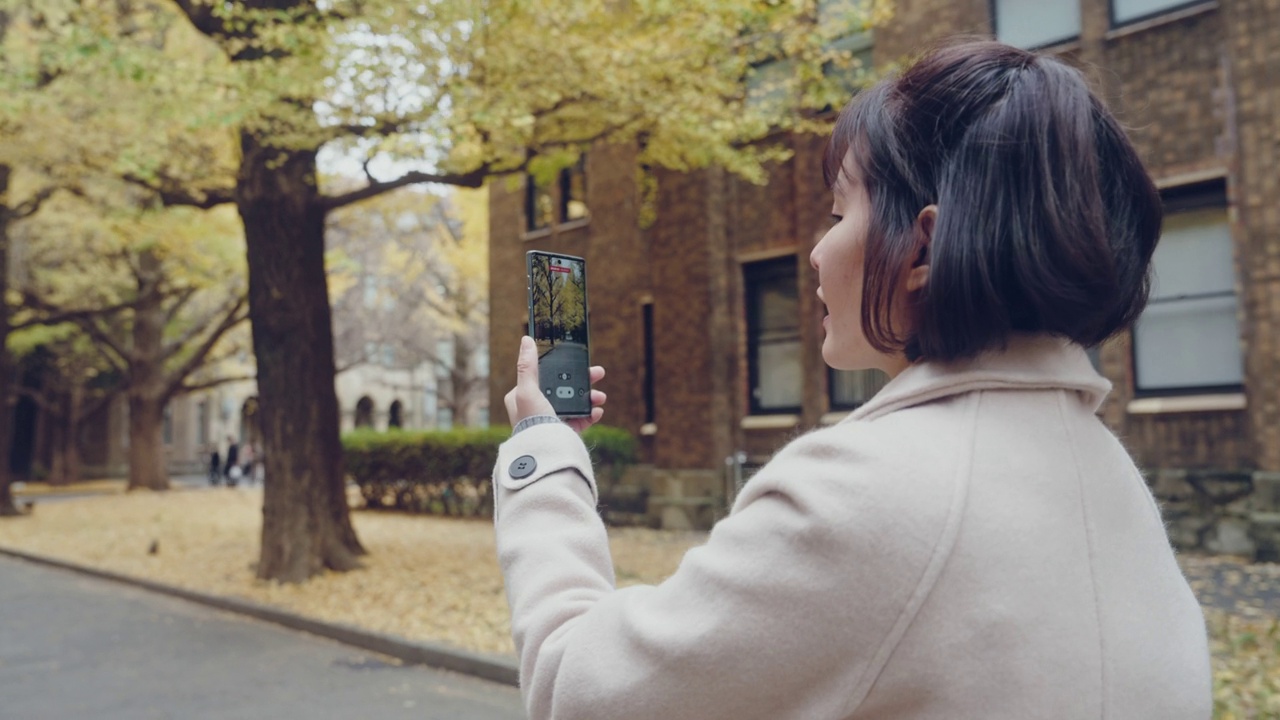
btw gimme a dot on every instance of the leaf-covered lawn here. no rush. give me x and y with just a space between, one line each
437 579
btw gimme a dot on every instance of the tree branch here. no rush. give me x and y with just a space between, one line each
32 204
184 296
235 316
45 403
87 320
98 403
201 15
173 348
205 385
473 179
60 315
123 358
172 196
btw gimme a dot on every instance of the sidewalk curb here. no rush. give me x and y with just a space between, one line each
488 667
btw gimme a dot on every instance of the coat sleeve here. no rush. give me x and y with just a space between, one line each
788 611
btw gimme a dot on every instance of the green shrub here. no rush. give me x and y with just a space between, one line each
448 472
610 447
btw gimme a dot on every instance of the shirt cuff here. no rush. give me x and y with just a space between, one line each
533 420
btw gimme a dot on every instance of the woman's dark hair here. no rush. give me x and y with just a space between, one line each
1046 218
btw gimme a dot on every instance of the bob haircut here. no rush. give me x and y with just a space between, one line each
1046 218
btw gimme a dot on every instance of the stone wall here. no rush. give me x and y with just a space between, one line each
1221 511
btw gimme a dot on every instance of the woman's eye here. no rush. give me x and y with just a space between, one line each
837 218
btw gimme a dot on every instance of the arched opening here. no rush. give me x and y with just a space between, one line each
250 427
396 417
364 412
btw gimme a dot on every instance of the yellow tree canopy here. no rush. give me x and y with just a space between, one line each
125 89
407 269
469 89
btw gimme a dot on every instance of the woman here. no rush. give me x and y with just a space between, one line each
971 543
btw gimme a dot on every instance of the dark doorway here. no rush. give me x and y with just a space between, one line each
396 417
364 412
22 452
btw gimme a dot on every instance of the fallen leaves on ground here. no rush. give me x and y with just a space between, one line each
425 578
437 579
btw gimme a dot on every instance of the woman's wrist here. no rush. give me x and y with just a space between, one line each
533 420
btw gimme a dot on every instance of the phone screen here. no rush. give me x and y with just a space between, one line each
558 324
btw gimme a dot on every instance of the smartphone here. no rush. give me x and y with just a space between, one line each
558 324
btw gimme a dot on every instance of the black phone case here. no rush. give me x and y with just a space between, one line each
564 379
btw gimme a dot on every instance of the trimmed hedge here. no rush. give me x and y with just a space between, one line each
446 472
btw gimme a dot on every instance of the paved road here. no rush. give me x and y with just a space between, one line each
184 482
75 647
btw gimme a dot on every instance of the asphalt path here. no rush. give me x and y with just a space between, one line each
78 647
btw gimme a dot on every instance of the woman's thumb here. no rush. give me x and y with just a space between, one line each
527 364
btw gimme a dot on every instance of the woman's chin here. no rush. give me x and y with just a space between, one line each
849 359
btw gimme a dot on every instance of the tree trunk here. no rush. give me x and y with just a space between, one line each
71 453
461 395
58 447
7 508
147 396
306 526
146 444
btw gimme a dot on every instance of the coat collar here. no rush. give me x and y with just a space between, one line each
1029 362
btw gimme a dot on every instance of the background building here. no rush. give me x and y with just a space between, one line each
709 326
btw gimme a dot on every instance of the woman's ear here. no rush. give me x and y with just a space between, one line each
918 273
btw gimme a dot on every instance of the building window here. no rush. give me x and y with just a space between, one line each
573 192
1035 23
1095 357
1131 11
167 430
444 418
1188 339
848 389
649 365
773 336
539 209
202 422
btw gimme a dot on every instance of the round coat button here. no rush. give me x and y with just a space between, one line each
522 467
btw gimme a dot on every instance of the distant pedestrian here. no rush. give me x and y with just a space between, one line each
232 470
215 466
248 461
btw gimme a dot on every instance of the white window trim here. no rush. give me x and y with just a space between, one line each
1220 402
770 422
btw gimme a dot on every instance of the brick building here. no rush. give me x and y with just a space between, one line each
709 327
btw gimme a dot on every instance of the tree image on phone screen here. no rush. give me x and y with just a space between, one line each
558 324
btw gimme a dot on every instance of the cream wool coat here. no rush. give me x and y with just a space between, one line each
972 543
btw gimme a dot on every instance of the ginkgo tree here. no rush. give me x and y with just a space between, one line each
409 276
70 125
159 293
467 90
74 380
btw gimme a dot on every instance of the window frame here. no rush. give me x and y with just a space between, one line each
832 404
566 186
648 384
1206 194
993 8
1116 24
753 273
531 192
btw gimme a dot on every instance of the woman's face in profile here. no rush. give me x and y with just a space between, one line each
838 259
